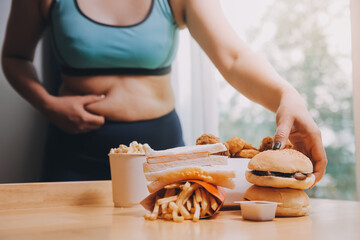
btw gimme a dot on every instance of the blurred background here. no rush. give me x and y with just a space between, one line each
308 43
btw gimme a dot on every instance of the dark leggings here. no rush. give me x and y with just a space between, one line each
83 157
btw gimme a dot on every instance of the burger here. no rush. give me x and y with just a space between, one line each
294 202
286 168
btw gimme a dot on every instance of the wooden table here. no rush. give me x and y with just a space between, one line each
84 210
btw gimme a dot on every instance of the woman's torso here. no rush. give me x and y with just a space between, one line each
128 97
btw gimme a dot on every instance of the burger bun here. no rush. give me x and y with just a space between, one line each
294 202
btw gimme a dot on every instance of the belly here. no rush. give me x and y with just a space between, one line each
127 98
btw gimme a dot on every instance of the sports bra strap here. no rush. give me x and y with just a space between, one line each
166 9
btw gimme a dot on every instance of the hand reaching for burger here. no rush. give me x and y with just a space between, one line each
295 123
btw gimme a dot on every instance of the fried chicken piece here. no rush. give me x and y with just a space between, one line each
247 153
236 144
207 139
249 146
226 153
268 142
289 145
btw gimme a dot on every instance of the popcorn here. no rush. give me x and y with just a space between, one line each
134 147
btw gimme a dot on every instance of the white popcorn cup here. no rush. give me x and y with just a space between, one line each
129 185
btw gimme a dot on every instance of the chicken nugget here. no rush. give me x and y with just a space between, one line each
207 139
247 153
268 142
236 144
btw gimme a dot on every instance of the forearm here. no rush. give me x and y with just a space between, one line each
22 76
246 71
256 79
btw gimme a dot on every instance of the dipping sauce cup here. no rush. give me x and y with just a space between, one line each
258 210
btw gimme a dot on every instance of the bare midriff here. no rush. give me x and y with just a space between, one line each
127 98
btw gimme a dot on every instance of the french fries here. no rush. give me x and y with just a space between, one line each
188 201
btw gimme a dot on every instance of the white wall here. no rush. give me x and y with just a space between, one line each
22 128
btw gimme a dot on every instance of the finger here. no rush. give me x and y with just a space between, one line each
87 99
319 161
93 119
318 175
86 128
282 132
318 154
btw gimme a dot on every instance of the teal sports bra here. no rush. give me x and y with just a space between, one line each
85 47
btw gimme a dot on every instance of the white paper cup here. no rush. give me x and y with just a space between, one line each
129 185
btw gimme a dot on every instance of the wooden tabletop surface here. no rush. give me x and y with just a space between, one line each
84 210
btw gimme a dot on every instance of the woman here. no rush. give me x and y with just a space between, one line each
116 58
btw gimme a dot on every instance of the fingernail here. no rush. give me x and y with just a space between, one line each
101 96
277 145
